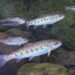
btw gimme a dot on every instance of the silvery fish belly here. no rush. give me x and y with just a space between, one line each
14 40
45 20
31 50
12 21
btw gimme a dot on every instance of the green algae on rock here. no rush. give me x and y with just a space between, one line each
42 69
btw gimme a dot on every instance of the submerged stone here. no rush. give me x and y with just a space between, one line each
42 69
18 32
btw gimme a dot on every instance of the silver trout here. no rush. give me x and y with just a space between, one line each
14 40
31 50
45 20
14 21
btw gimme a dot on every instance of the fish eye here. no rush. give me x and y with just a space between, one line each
56 43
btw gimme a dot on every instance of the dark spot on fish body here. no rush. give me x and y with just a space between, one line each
37 49
47 45
41 47
22 53
26 51
31 50
56 43
17 54
38 21
47 18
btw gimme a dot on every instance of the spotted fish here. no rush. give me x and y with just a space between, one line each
14 40
31 50
14 21
45 20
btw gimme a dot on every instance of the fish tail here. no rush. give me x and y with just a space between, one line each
2 61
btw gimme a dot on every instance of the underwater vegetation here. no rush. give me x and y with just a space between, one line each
64 30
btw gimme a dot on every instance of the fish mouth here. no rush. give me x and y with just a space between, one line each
49 51
56 45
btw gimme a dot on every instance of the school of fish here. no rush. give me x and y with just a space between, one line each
30 50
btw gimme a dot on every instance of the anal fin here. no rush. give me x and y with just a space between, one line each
31 58
49 52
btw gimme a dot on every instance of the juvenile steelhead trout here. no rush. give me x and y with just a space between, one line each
14 40
31 50
45 20
14 21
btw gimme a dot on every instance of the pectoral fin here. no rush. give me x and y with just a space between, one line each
31 58
49 52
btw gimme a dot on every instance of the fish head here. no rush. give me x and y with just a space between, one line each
54 44
58 17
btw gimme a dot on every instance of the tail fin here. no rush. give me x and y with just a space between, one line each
2 61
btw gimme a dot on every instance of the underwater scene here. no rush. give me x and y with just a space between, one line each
37 37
